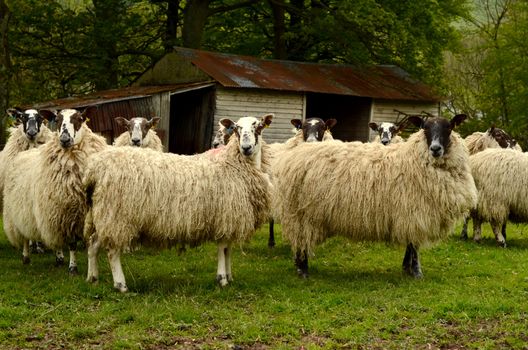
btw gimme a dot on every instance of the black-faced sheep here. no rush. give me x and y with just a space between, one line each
411 193
44 197
478 142
139 133
31 133
137 196
501 177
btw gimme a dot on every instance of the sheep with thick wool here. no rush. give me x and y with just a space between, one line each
410 193
31 133
139 133
501 177
140 197
44 196
478 142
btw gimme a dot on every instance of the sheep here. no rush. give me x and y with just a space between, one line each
44 198
387 132
411 193
479 141
501 177
140 133
137 196
31 133
311 130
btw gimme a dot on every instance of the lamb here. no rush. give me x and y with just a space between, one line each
44 198
311 130
477 142
387 132
501 177
140 133
411 193
144 197
31 133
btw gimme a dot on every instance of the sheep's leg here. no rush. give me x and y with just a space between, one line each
39 247
72 268
463 233
501 241
25 252
477 229
221 274
59 258
114 257
228 254
93 251
504 230
301 262
271 240
411 262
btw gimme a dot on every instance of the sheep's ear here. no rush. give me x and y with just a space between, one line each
297 123
15 113
122 122
416 121
457 120
330 123
153 122
373 126
265 120
491 129
227 123
89 112
48 114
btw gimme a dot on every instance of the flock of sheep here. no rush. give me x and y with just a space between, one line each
59 187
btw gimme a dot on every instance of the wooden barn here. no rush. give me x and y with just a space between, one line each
191 90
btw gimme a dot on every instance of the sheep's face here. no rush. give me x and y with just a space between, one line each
69 122
502 137
438 132
30 119
222 135
386 131
248 131
313 129
138 129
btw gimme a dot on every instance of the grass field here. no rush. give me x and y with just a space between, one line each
472 296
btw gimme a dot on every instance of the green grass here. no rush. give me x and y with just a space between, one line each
472 296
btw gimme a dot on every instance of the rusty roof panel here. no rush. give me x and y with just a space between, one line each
384 82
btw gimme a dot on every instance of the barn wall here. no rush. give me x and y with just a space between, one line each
161 108
384 110
236 103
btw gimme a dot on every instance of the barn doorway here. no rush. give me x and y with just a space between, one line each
352 114
191 121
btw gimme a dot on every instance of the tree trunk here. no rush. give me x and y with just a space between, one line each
171 29
194 19
5 69
279 29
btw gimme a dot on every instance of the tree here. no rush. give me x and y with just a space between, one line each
5 69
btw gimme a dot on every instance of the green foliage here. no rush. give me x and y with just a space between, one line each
472 296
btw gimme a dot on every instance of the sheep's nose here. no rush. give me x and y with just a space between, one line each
136 142
32 133
246 149
436 150
216 144
385 142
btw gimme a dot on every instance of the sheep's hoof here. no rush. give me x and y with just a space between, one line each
477 240
501 244
39 250
121 287
302 274
59 261
271 244
222 280
26 260
464 236
229 278
72 270
91 279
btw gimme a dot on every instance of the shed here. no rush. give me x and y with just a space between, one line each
191 90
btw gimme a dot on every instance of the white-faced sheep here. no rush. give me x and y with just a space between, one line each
139 133
387 132
478 142
411 193
501 177
44 197
144 197
31 133
310 130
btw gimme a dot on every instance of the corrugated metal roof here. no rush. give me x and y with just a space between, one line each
384 82
107 96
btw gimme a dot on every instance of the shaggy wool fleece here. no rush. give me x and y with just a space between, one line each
479 141
397 193
139 196
501 177
395 139
18 142
44 197
151 141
